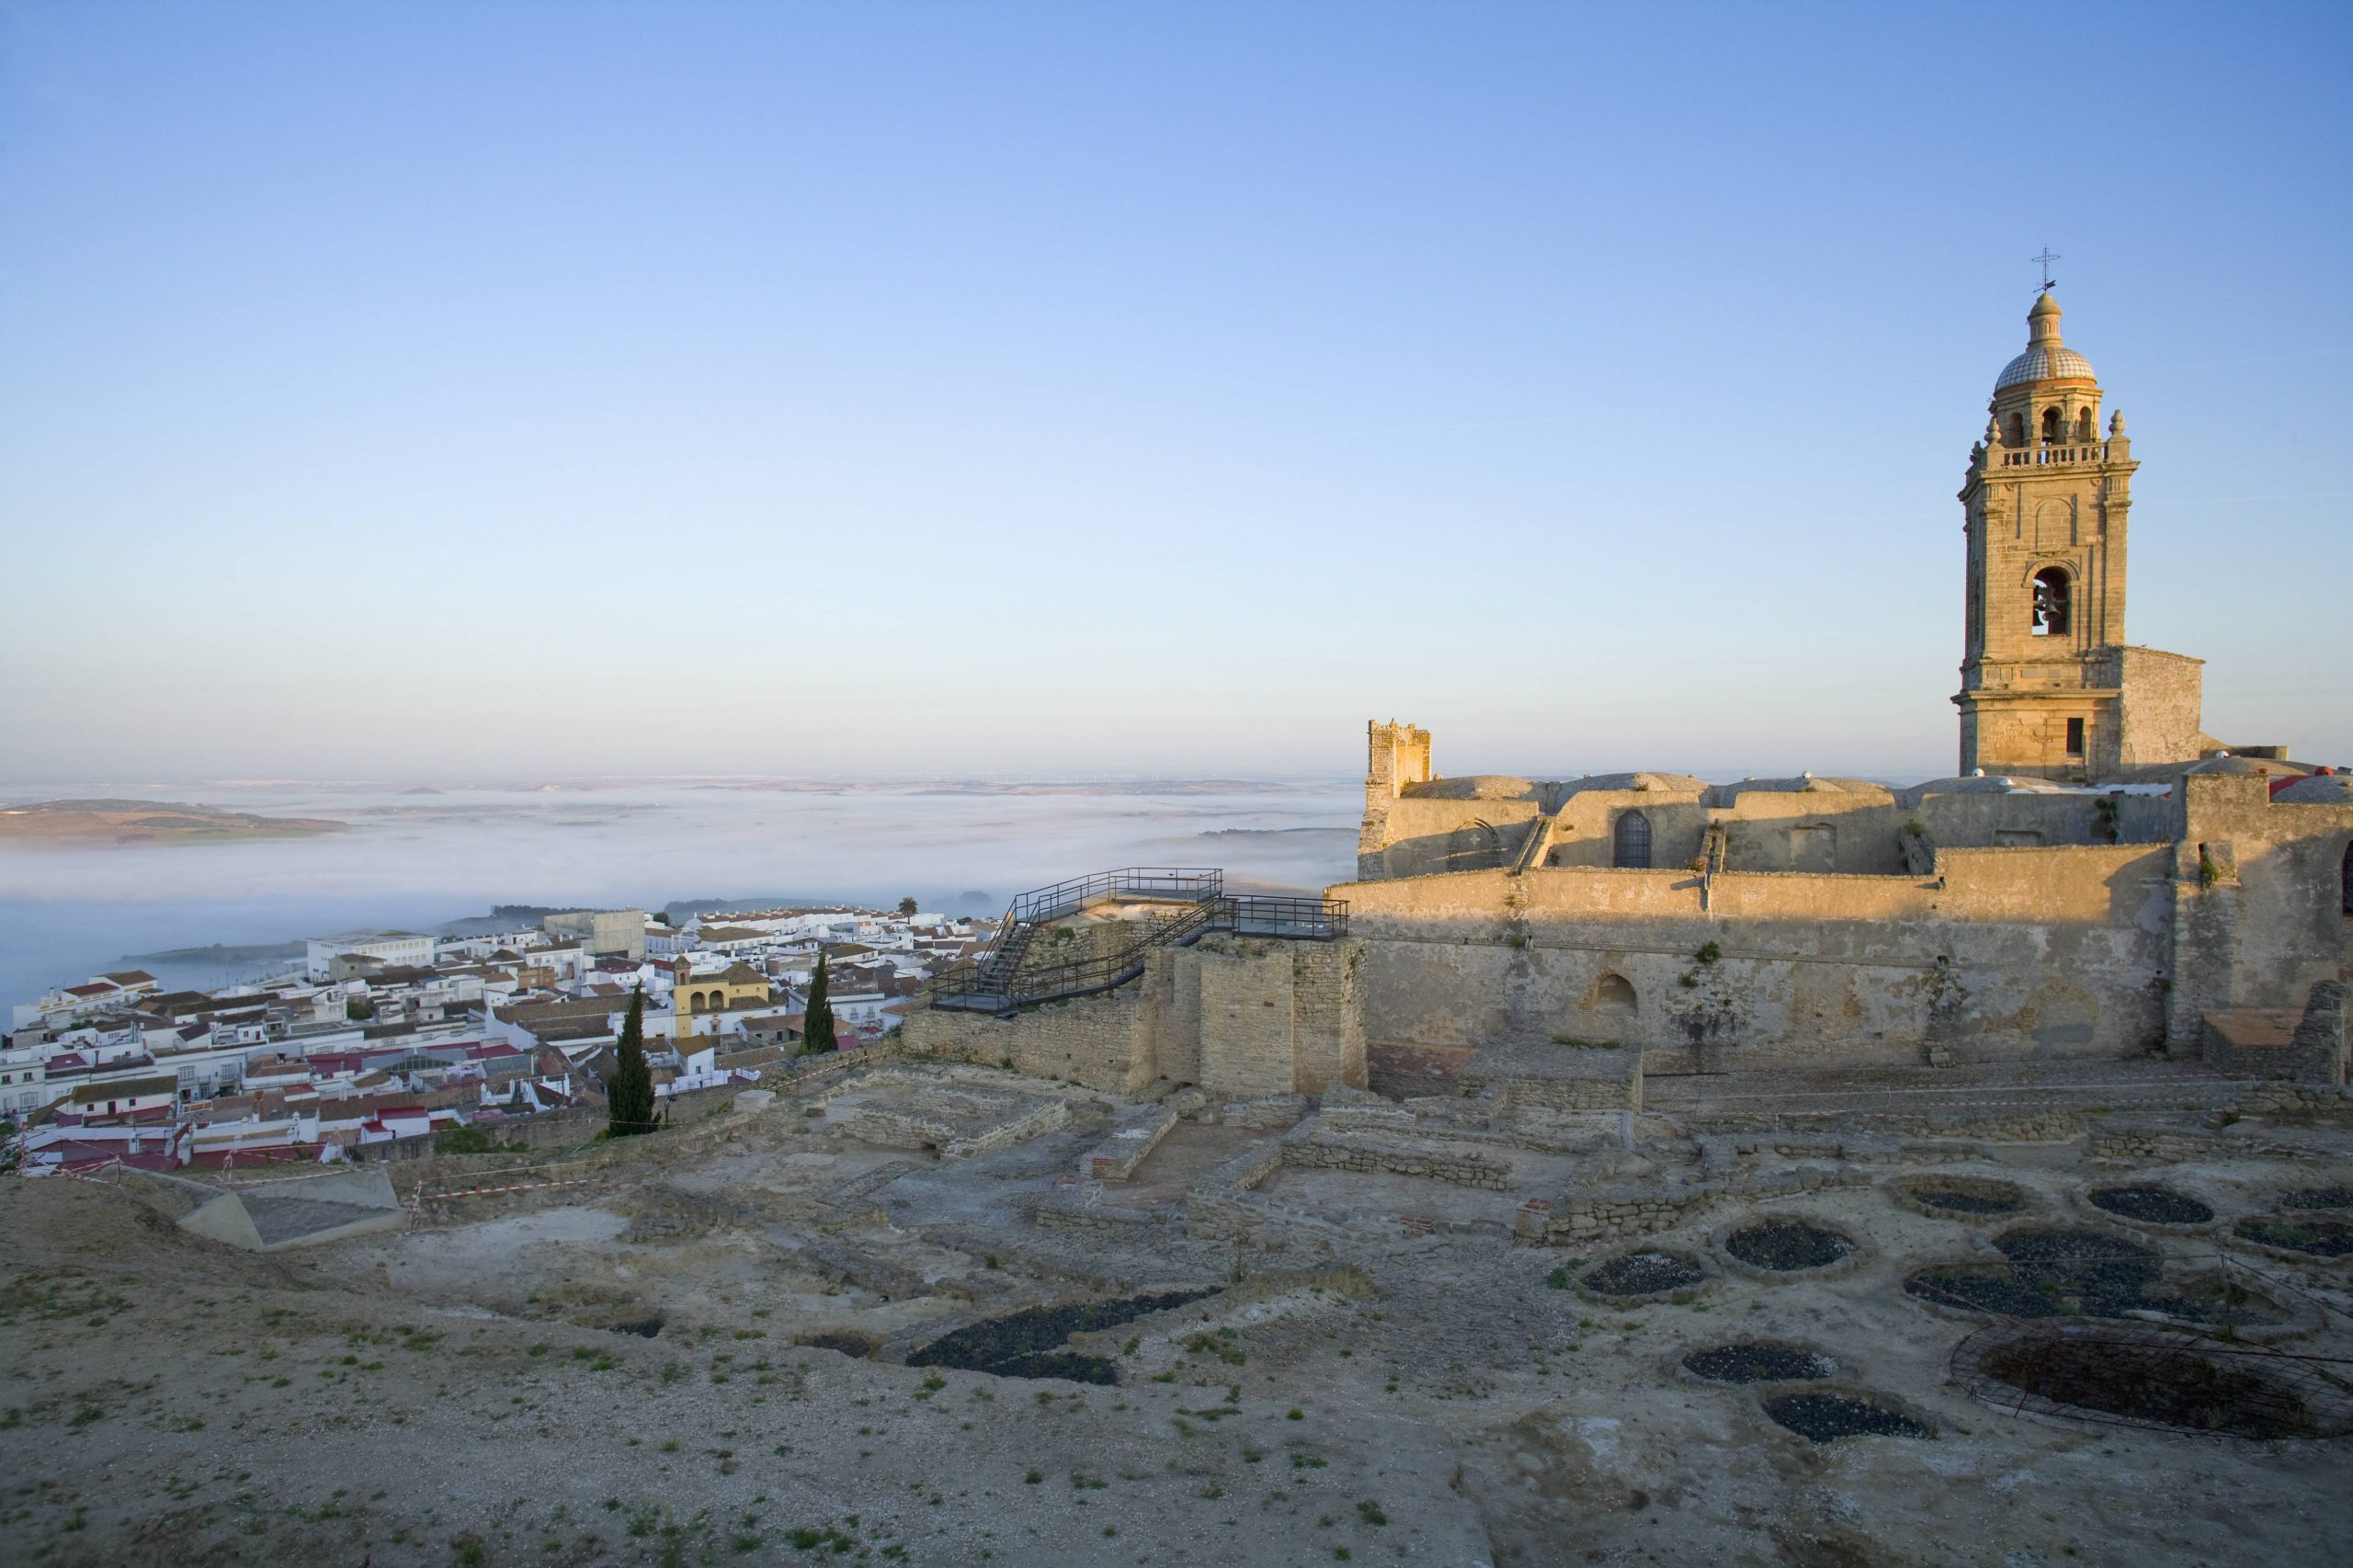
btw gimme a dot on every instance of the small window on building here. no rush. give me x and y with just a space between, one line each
1631 849
2050 428
2051 602
2017 430
2083 427
2075 737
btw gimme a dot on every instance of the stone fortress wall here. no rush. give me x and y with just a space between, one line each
1237 1016
1839 825
1967 924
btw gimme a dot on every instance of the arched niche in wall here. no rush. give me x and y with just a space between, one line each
1613 993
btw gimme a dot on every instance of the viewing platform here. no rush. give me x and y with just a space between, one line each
1002 980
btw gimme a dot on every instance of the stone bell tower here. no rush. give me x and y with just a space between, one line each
2043 673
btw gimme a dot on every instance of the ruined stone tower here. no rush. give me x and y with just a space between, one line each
2048 685
1400 756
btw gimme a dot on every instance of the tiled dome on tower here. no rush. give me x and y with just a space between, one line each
2046 358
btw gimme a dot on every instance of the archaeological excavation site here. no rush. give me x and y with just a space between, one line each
1138 1246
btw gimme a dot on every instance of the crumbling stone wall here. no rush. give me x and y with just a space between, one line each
1847 828
1223 1204
2159 709
1246 1020
957 1123
2258 898
1621 1092
1135 1132
1618 1212
2007 953
1237 1016
2297 1100
1398 755
1435 1160
2321 1040
1092 1040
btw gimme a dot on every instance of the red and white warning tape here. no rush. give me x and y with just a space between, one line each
423 1195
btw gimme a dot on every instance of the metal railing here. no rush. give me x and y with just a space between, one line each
999 982
1292 919
1190 885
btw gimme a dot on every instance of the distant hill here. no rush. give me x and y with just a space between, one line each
245 955
146 822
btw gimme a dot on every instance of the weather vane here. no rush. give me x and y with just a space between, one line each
2047 257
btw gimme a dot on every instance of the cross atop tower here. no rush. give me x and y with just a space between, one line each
2046 258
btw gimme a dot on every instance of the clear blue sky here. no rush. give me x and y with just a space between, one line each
489 390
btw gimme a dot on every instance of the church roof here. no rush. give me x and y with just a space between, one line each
2320 789
1660 783
1983 784
2226 763
1472 787
2043 365
2046 357
1804 784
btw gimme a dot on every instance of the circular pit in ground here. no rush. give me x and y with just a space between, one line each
1826 1417
1759 1361
2059 1249
2308 1234
1789 1246
2046 1273
2151 1205
2320 1198
1947 1197
1642 1273
2145 1379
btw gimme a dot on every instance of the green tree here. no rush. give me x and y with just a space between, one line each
630 1095
466 1141
907 905
817 1028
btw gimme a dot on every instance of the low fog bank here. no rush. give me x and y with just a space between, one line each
419 861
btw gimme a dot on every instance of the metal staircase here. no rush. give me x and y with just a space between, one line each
1532 848
998 983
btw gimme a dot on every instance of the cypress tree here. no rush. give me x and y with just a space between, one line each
630 1095
817 1028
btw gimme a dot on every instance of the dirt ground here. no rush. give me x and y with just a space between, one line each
619 1373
